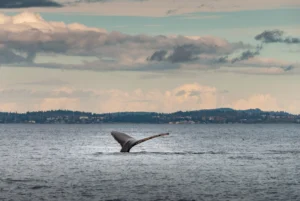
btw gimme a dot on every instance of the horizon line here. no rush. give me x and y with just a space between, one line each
100 113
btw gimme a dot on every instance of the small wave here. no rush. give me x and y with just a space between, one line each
39 187
185 200
218 152
157 153
54 149
10 180
244 158
284 152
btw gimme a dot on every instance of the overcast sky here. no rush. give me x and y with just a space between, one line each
149 55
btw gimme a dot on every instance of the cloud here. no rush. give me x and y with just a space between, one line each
28 3
29 34
7 56
159 55
276 36
262 66
192 51
58 103
171 11
247 55
190 96
289 68
270 36
184 53
112 100
262 101
159 8
246 58
266 62
25 36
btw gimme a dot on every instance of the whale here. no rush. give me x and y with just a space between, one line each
127 142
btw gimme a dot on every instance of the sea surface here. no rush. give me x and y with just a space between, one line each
195 162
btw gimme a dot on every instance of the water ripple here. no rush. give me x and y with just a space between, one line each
157 153
197 162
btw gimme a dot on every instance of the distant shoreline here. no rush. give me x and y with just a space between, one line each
116 123
209 116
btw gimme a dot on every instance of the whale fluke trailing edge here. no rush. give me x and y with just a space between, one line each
127 142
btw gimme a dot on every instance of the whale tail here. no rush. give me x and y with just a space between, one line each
127 142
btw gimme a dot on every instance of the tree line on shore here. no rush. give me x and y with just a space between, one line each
219 115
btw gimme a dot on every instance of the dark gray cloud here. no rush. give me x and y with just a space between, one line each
28 3
159 55
244 56
171 11
288 68
272 36
276 36
184 53
223 59
247 55
7 56
291 40
190 52
269 36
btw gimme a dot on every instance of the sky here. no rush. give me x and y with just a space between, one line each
149 55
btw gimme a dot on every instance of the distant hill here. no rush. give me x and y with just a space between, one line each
218 115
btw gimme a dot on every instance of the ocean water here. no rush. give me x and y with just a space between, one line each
195 162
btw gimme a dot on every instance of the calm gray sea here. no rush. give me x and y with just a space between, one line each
195 162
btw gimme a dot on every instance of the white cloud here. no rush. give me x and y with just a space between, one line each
58 103
262 101
184 97
195 96
192 96
27 21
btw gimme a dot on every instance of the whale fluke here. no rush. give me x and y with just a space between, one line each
127 142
